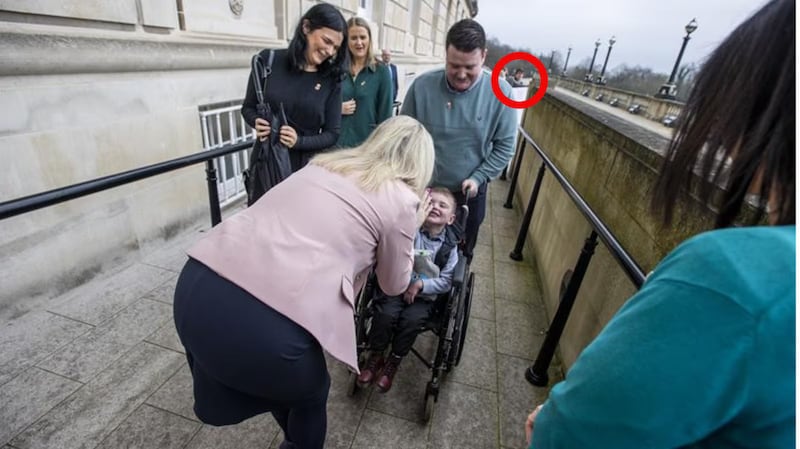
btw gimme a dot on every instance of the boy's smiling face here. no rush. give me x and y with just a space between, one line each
443 210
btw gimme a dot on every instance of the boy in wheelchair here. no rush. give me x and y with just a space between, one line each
399 319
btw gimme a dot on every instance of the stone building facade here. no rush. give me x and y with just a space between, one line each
90 88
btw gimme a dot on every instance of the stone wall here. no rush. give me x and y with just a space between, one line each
614 169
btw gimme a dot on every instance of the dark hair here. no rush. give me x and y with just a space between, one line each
466 35
741 108
321 15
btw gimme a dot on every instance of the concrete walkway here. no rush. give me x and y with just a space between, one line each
101 367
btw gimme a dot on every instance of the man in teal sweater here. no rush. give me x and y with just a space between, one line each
473 132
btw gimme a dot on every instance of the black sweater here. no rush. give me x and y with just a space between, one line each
313 105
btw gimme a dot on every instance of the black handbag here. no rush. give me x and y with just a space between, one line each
269 159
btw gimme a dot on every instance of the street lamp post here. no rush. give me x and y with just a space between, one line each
564 72
602 79
550 64
669 90
591 66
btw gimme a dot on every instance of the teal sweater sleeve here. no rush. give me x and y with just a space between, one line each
700 357
473 132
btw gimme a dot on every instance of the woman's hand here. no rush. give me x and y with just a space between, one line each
529 424
262 129
288 136
349 107
424 208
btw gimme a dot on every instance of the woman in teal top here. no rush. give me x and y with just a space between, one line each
367 91
703 356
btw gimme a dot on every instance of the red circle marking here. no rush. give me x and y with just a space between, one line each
496 80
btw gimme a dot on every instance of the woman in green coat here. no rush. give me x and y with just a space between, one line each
367 91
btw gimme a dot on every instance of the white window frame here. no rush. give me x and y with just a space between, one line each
365 9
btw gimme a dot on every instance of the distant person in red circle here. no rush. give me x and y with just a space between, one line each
473 131
516 80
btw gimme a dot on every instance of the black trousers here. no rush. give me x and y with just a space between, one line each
398 323
477 212
247 359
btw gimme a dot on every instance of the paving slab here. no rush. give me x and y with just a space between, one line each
258 432
29 396
89 415
31 338
113 294
520 328
150 427
382 431
465 418
478 366
89 354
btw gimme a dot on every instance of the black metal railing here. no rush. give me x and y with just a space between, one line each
537 373
51 197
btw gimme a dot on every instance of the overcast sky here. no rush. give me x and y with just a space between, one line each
648 32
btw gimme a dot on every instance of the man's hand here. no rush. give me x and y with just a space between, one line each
469 187
412 291
529 424
262 129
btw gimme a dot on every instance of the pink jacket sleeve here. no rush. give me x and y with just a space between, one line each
395 250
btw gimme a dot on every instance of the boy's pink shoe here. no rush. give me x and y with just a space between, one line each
385 382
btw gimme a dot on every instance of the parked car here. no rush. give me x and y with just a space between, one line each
635 108
670 121
585 93
599 97
614 102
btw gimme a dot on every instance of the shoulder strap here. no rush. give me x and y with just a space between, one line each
261 72
443 255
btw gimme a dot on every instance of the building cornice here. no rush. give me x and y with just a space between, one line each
29 53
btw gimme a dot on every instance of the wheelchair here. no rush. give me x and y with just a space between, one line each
448 321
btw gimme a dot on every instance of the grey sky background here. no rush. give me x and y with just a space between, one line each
648 32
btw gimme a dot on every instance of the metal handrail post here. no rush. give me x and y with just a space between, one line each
213 193
516 253
509 204
536 374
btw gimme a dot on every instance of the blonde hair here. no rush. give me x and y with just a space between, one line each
398 149
356 21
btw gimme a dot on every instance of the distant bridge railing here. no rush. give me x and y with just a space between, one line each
537 373
648 106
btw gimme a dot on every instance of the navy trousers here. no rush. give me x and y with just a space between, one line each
247 359
396 322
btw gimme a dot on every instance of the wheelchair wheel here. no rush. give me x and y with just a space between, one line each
430 400
462 320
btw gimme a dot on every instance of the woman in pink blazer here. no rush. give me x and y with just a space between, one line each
272 286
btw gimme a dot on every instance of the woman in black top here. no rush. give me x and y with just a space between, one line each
306 79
